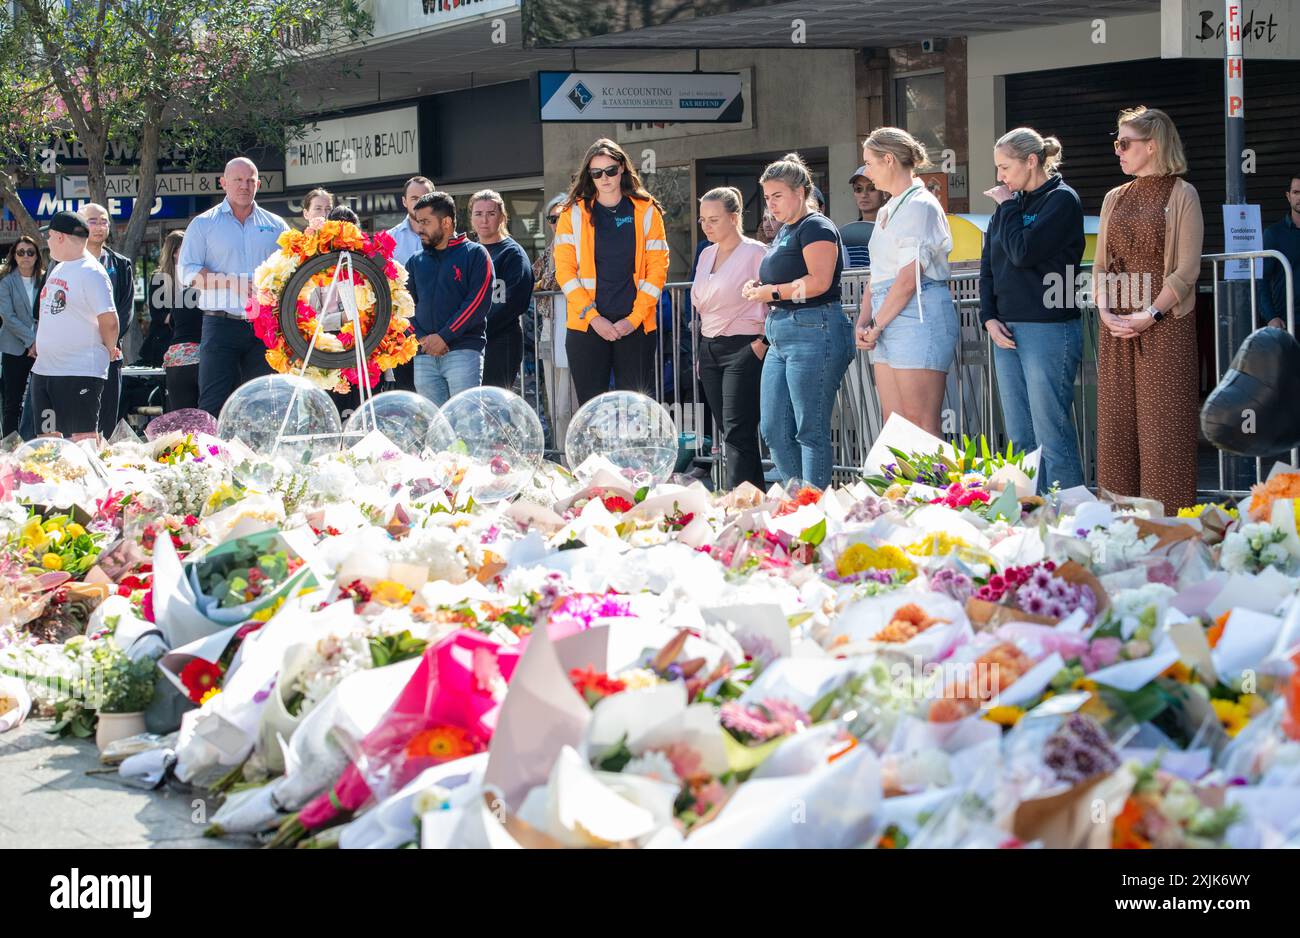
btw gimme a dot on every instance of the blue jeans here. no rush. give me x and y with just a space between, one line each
1036 385
811 349
442 378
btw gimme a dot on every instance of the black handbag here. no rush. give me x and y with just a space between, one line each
1255 410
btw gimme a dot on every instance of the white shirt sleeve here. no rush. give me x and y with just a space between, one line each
921 231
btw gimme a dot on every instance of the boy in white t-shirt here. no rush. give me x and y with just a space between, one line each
76 336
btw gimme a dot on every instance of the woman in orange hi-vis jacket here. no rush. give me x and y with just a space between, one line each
611 260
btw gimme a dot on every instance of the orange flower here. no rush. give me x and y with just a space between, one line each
442 743
1215 632
1125 835
1263 495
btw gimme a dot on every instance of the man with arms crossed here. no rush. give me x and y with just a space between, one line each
76 337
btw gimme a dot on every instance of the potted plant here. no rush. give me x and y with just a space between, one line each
125 692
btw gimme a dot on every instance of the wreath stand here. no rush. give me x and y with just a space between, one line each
345 291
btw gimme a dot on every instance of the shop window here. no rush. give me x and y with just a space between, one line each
919 104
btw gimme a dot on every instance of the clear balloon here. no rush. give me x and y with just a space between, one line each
52 461
502 438
631 432
410 421
285 407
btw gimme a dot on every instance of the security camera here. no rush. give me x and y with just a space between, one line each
932 45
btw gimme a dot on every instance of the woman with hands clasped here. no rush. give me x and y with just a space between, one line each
611 259
810 338
731 331
908 319
1035 240
1144 280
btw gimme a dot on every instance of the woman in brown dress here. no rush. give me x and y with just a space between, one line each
1148 260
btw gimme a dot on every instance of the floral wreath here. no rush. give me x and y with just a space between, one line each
396 346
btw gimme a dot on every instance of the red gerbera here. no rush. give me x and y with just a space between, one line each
199 677
595 685
616 503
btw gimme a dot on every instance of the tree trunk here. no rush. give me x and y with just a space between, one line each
147 168
9 198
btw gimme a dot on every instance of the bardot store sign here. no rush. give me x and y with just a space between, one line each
698 97
1194 29
347 149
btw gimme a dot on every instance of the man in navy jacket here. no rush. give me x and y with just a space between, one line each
451 283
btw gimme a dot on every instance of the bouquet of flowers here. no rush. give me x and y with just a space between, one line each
1165 811
236 580
1039 592
57 543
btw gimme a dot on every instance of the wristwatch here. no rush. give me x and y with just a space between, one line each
1155 313
776 293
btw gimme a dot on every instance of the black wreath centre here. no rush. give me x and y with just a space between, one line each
293 337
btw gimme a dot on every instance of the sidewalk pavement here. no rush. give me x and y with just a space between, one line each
48 800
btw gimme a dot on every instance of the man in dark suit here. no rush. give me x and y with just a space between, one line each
122 274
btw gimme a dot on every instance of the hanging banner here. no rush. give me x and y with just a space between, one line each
590 97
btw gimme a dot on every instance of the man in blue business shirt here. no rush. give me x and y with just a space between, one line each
222 248
406 234
1283 236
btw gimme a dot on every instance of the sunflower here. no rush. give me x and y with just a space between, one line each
443 743
1004 715
1232 715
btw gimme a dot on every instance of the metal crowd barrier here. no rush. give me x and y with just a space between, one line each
971 404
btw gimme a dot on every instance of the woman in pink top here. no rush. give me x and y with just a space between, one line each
731 329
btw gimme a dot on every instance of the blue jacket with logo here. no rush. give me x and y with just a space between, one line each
452 290
1033 239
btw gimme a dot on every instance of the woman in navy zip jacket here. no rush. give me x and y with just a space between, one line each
1028 305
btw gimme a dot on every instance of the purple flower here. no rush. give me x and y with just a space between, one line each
1056 610
673 672
1080 532
1041 579
1035 604
187 420
265 692
1101 653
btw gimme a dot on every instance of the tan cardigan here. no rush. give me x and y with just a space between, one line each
1184 237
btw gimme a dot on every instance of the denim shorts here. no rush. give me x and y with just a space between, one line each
909 343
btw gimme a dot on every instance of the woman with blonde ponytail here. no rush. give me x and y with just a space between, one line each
1027 302
908 319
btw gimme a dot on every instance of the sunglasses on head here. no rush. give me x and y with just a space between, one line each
610 171
1123 143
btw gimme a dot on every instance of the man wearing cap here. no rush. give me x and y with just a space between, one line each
76 335
121 273
820 205
222 248
870 200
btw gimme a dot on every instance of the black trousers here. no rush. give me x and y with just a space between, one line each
591 359
14 370
732 374
110 399
504 356
182 387
230 354
66 404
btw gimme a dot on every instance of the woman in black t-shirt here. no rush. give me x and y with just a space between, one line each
810 337
178 307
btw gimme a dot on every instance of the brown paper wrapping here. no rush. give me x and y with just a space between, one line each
1166 532
985 615
1083 817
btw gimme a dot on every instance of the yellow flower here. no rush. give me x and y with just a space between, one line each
1233 716
1004 715
74 530
52 562
264 614
895 491
860 557
33 535
209 694
1083 683
1178 672
1254 704
391 593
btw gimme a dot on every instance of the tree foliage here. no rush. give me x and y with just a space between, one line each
207 78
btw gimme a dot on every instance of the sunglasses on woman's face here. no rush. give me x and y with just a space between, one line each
610 171
24 253
1123 143
553 219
